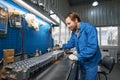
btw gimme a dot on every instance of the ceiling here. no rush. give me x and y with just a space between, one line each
80 2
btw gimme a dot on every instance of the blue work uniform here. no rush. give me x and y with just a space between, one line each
89 55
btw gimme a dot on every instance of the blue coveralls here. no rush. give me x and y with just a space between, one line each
89 54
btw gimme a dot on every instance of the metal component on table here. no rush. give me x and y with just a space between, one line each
22 69
57 54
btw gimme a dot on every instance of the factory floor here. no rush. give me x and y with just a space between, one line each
58 72
115 74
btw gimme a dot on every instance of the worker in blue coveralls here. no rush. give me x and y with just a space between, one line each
84 38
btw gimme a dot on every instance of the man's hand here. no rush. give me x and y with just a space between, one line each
73 57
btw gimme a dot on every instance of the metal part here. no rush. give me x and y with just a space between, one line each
21 70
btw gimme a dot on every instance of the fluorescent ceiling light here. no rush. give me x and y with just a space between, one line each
28 7
95 3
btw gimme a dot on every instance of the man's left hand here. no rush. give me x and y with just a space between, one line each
73 57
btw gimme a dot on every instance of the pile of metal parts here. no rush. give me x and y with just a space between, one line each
21 70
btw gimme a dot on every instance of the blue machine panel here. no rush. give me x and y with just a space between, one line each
3 20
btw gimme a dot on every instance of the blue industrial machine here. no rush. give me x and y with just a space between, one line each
3 20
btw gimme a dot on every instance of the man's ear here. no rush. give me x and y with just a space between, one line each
76 20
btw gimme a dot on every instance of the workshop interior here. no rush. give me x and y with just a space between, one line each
32 32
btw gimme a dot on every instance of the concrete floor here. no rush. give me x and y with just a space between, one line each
115 74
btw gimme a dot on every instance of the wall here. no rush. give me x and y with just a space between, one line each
105 14
60 7
41 40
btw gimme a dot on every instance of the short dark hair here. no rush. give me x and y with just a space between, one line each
73 16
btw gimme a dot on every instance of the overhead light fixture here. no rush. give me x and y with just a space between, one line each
28 7
95 3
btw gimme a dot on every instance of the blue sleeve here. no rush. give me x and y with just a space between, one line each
70 44
91 43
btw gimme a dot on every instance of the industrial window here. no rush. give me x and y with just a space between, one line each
63 35
67 34
55 30
108 36
98 30
55 34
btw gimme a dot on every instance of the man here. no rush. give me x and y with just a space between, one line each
84 38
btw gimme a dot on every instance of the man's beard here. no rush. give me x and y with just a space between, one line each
74 30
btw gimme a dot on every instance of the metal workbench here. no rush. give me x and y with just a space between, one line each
64 69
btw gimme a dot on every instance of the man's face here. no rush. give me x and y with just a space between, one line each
72 25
